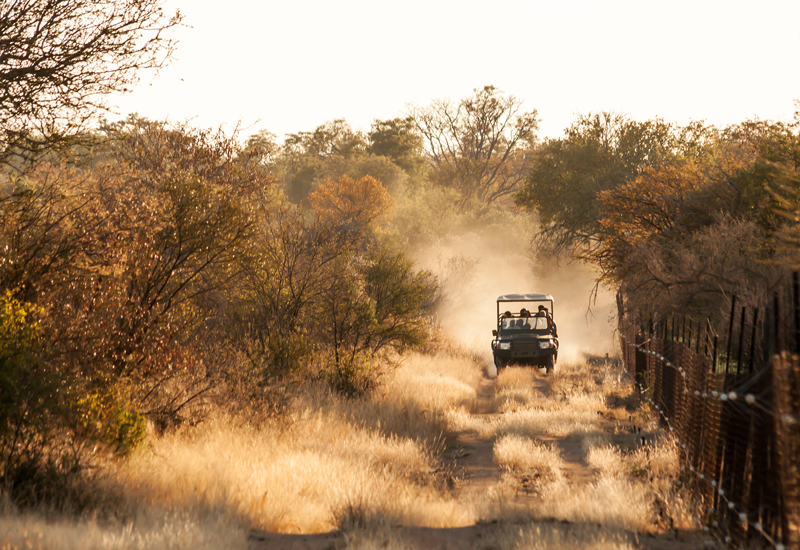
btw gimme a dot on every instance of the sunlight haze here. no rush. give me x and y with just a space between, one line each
291 66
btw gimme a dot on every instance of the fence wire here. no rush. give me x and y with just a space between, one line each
735 410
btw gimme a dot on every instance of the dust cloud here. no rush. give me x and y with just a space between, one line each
475 268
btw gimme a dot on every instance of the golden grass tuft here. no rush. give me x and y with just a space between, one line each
526 455
554 536
607 460
148 528
614 502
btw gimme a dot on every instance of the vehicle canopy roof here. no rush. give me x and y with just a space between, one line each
525 298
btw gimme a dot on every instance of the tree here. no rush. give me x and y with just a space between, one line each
661 208
689 232
352 205
479 146
334 138
59 58
262 145
323 296
304 157
599 152
398 140
120 258
374 306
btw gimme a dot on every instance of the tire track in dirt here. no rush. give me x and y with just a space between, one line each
473 453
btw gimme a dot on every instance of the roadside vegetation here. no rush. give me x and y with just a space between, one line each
368 464
676 219
592 416
205 333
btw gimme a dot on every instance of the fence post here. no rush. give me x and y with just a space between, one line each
730 334
699 337
778 345
683 329
753 339
786 385
741 341
796 304
714 362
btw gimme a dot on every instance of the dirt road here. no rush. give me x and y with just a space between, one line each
471 458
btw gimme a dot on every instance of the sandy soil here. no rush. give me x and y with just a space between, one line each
475 472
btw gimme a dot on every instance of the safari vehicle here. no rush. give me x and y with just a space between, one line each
526 333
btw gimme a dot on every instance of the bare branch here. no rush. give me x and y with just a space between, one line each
59 59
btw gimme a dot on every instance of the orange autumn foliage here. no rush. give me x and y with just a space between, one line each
363 202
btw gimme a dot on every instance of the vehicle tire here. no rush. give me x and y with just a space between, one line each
549 363
499 363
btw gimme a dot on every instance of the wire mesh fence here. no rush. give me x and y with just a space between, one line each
733 402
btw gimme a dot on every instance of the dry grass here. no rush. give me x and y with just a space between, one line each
571 406
366 465
585 409
640 484
150 528
525 455
551 536
436 383
329 462
515 391
608 501
330 459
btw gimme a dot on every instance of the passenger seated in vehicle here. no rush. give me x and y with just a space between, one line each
551 325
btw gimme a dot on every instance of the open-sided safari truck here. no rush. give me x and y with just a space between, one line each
526 333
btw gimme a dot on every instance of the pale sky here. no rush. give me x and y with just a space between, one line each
290 66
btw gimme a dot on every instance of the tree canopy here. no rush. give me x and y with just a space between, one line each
599 152
60 58
480 145
398 140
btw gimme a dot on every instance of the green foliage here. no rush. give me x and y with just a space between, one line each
398 140
401 298
34 408
599 152
23 387
19 326
309 158
105 417
781 159
376 307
